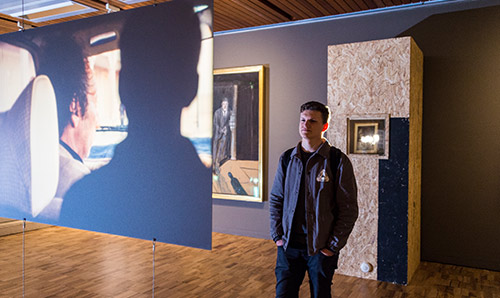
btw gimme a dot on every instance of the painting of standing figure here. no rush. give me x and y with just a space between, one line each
221 135
238 122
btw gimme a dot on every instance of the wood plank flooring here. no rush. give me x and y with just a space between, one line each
63 262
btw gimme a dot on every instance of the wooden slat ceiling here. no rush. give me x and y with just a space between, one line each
235 14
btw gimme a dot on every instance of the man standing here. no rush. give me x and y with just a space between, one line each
313 207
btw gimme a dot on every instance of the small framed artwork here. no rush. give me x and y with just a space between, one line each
368 135
238 133
366 138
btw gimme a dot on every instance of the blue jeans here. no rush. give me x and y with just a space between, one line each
291 266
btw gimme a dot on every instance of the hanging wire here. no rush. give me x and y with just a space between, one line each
23 16
24 230
154 249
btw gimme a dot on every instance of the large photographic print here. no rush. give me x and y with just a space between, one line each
237 141
93 130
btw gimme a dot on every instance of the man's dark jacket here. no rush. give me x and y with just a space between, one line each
330 199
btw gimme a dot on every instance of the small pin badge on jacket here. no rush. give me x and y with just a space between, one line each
323 176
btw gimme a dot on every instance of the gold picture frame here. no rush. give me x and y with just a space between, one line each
364 138
238 133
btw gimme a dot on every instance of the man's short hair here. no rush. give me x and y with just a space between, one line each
64 61
317 106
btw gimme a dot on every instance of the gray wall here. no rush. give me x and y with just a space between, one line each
461 137
297 59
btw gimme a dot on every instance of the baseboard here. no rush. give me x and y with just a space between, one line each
240 232
492 263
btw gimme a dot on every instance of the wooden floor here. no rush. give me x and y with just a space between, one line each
61 262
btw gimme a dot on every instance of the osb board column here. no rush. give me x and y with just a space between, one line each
367 78
415 158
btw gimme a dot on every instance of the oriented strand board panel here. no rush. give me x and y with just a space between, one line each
415 157
369 78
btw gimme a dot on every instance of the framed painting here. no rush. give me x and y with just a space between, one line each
368 135
238 133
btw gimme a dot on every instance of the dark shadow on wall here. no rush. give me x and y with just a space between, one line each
461 137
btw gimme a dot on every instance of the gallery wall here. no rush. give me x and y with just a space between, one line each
461 144
296 57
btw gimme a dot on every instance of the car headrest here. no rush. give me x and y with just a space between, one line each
30 153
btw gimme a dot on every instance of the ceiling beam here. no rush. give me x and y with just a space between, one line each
72 18
321 8
291 10
238 13
9 23
233 14
96 4
268 8
332 6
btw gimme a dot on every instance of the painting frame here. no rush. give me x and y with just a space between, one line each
373 127
360 147
238 161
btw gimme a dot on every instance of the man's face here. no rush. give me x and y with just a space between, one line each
311 125
224 105
88 123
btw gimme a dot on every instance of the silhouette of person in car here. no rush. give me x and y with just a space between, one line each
155 186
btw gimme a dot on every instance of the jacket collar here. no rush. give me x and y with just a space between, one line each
71 151
323 150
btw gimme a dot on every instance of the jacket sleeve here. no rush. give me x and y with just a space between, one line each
346 211
276 199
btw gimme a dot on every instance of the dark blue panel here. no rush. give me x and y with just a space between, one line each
393 206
